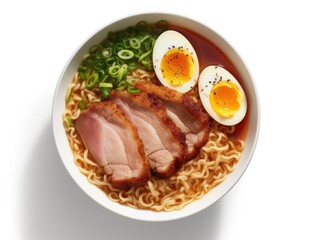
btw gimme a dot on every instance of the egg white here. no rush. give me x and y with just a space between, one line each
210 76
166 41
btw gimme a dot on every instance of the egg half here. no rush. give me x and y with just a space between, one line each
222 96
175 61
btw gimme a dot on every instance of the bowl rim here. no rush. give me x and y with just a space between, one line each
151 215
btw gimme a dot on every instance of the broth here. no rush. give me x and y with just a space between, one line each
209 54
193 180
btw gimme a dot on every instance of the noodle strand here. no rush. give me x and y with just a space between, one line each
216 160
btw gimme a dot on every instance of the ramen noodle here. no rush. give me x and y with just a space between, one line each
215 161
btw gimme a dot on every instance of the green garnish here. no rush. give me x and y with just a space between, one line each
106 85
105 93
70 122
119 53
82 104
133 90
125 54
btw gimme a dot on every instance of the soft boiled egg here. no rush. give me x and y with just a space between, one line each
222 96
175 61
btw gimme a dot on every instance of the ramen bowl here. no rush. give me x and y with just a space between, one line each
253 118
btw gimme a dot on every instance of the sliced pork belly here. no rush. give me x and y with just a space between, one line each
189 116
164 142
114 143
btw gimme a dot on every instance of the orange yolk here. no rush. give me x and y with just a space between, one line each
225 99
177 66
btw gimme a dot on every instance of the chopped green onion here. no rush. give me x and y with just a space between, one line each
132 65
144 38
126 43
135 43
92 80
118 47
105 93
82 68
99 64
106 85
82 104
121 85
107 52
114 70
125 54
149 43
69 121
121 72
108 63
147 63
137 52
144 55
101 72
133 90
104 78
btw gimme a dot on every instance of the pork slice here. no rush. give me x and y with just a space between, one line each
164 142
114 144
188 115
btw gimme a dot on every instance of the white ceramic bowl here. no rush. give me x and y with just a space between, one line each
95 193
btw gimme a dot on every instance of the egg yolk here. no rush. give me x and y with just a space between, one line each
177 66
225 99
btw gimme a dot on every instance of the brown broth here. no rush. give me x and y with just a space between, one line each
209 54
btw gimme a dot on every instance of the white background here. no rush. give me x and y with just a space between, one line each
277 198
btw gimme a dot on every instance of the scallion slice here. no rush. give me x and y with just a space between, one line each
82 104
107 52
92 80
133 90
69 121
106 85
125 54
108 63
105 93
135 43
